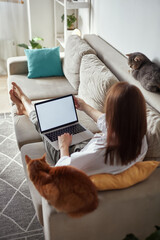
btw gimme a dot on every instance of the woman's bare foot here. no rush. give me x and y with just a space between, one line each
19 94
20 107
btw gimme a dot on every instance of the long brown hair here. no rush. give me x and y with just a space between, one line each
125 109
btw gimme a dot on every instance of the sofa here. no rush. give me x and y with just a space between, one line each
90 66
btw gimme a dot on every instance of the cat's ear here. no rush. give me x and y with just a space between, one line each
128 54
137 59
27 158
44 157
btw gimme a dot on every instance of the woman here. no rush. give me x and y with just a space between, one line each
122 141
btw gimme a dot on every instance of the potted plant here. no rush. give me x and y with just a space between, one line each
71 19
34 44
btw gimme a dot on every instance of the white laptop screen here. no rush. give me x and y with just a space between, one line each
56 113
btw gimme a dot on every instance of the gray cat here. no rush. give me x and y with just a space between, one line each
145 71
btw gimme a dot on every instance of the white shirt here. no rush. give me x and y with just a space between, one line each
91 159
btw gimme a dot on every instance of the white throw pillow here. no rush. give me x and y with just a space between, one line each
75 49
95 80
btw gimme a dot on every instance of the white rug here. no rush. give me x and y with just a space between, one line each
17 215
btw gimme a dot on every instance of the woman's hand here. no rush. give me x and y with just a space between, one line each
90 111
64 142
79 103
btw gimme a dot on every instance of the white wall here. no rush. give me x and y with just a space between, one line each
13 22
13 30
84 20
42 20
128 25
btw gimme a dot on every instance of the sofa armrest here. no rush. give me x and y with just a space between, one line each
17 65
49 215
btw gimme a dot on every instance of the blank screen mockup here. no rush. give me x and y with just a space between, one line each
56 113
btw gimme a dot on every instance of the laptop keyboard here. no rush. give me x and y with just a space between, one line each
77 128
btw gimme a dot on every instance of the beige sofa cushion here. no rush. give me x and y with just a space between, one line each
76 47
42 88
153 133
95 80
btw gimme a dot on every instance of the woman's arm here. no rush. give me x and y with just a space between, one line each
64 142
90 111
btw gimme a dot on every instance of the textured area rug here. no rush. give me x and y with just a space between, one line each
17 215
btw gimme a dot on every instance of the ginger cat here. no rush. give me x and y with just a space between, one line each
66 188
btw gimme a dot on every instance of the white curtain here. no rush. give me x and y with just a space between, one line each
13 30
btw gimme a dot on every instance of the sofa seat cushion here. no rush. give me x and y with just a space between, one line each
75 49
95 80
42 88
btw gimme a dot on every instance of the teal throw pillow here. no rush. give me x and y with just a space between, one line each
43 62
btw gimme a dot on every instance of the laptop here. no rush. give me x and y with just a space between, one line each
57 116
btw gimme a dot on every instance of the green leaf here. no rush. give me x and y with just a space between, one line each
62 18
23 45
31 42
70 19
39 46
130 237
37 39
35 44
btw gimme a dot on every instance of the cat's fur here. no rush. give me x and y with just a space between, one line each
68 189
145 71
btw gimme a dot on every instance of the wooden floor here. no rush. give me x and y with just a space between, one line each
4 99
